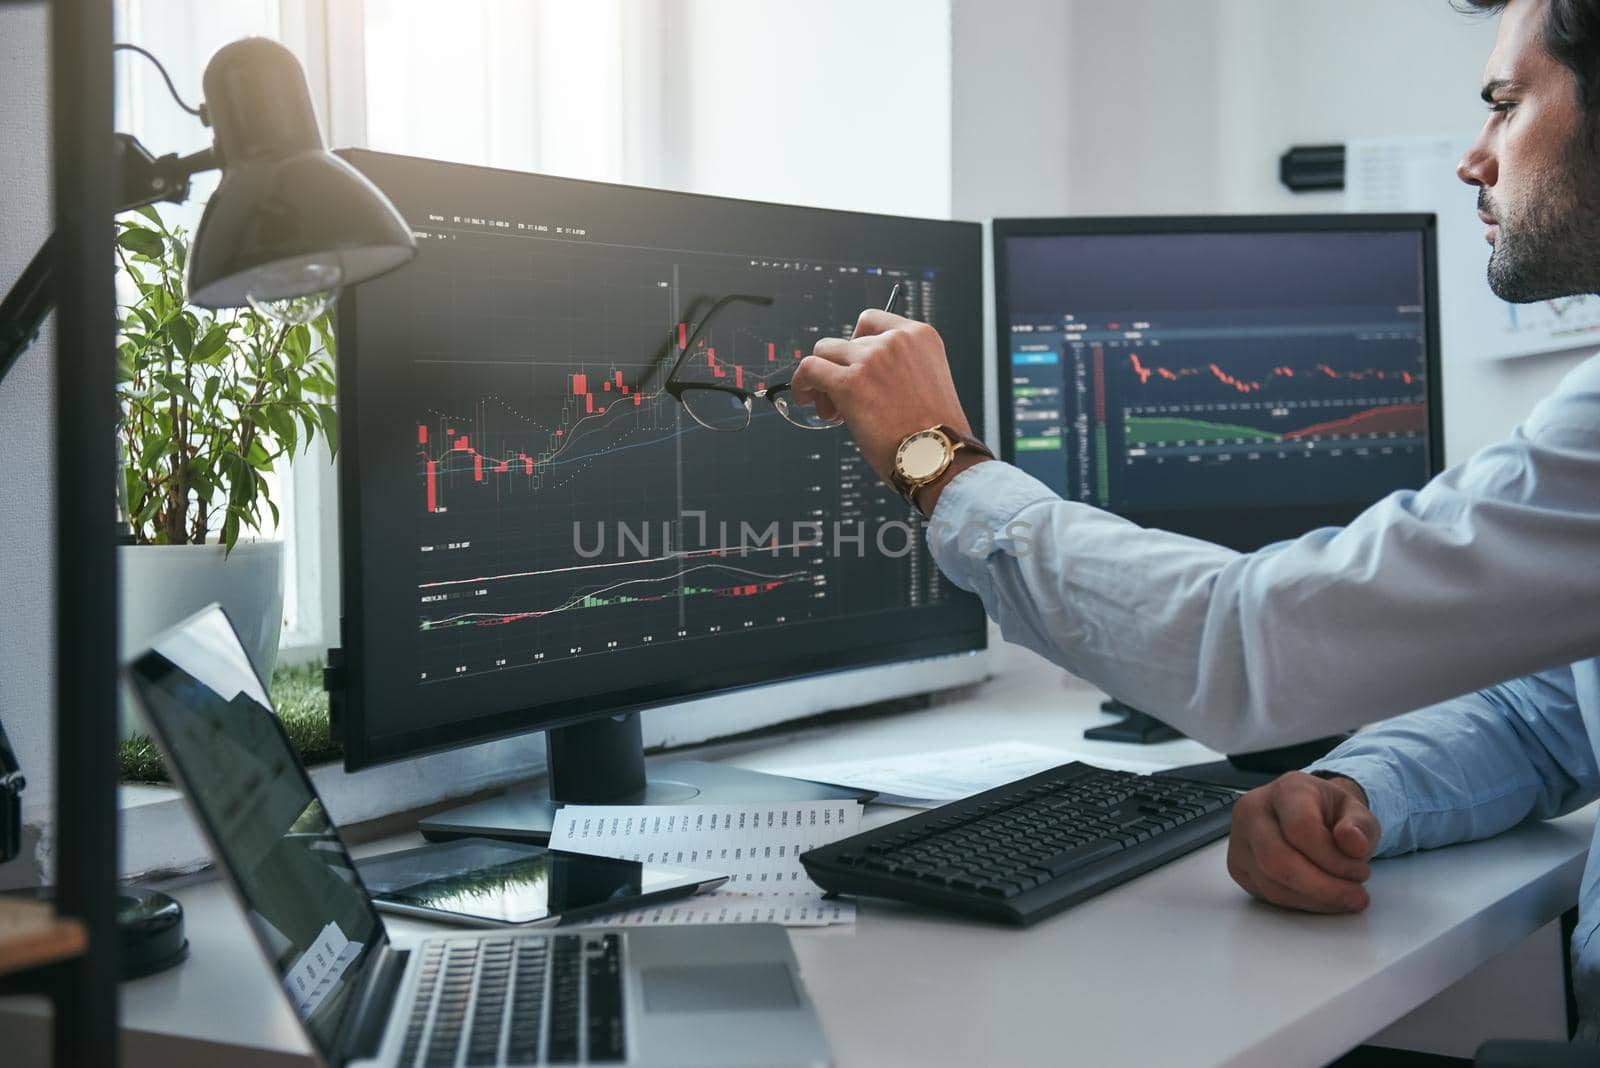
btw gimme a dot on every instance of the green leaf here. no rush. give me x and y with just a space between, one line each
318 386
260 458
297 343
152 448
161 303
181 330
231 471
149 212
174 383
325 332
147 512
281 420
200 482
329 418
141 242
131 489
212 347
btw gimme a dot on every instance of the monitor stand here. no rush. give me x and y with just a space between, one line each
601 762
1137 727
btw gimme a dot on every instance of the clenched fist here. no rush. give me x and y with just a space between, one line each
1304 842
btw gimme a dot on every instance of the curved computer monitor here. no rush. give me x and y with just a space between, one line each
1239 379
536 535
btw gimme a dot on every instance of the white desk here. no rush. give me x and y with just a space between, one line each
1177 967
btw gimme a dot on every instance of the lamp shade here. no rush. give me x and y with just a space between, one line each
289 218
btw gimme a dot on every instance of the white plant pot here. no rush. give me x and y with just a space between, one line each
164 584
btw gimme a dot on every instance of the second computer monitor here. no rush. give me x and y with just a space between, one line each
1237 379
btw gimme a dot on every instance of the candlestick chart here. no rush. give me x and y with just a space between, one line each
565 505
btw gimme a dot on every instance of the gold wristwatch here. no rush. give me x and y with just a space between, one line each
924 456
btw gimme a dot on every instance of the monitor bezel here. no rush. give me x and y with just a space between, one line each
1423 224
363 749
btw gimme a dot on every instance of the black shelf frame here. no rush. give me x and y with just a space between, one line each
84 988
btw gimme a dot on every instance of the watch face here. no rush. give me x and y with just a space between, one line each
922 455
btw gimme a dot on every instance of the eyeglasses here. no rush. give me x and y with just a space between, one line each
720 407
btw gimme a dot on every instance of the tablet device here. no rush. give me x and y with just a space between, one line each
483 882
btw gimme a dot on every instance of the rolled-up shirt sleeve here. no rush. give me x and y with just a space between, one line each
1474 766
1490 572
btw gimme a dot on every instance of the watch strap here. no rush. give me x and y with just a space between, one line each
965 440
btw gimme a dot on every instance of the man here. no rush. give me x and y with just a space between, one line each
1486 580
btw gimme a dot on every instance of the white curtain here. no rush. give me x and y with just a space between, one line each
835 103
559 87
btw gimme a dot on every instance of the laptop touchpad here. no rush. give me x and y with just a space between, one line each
718 988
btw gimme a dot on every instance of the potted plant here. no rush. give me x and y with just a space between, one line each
210 404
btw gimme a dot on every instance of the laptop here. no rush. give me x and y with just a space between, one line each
703 996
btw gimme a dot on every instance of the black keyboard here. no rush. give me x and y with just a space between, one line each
519 1000
1023 851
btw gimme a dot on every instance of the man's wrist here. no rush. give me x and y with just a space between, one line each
927 497
1345 783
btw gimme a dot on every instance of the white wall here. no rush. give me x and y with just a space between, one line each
26 599
1177 106
839 104
1152 106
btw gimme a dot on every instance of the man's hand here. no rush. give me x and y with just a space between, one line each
890 380
1304 842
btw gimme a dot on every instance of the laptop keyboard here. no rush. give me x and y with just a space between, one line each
521 999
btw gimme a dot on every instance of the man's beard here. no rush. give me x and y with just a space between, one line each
1552 247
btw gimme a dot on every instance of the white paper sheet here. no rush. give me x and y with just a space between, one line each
1419 174
311 979
757 846
924 780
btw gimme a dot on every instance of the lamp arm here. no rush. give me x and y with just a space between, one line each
27 303
144 179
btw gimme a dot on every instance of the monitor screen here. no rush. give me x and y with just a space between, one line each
1241 380
535 531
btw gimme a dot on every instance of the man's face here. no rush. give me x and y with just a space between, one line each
1536 164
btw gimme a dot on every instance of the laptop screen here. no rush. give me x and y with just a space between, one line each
301 893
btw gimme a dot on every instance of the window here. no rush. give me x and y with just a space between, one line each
831 103
734 97
713 96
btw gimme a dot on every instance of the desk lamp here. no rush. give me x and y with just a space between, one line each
288 226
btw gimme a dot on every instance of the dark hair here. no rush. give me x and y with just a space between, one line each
1571 36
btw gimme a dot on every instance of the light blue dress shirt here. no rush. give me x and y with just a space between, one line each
1475 599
